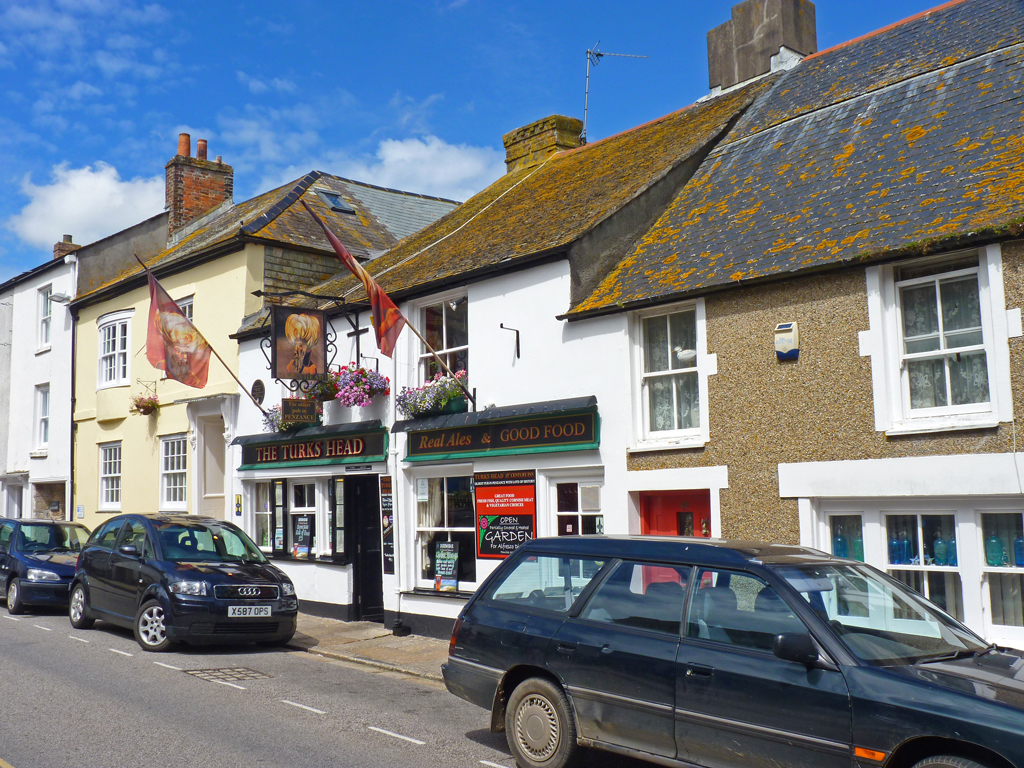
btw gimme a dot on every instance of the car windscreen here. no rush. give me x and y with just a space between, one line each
206 543
878 619
50 537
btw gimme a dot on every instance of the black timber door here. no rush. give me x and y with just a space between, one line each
362 506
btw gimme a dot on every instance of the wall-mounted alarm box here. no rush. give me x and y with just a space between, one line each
787 342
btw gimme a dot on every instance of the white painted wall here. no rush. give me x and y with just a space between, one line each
33 364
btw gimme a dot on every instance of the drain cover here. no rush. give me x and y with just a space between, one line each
229 675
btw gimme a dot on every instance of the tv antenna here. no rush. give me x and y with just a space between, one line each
594 57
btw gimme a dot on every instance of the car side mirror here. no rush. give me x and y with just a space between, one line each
129 549
797 647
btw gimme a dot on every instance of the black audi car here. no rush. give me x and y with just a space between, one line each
37 561
181 578
724 654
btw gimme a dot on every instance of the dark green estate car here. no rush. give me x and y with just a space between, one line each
720 654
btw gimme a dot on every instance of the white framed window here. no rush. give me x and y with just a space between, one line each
446 512
110 476
45 314
445 326
173 472
672 367
43 410
305 523
938 343
114 342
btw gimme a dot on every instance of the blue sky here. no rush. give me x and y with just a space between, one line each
414 95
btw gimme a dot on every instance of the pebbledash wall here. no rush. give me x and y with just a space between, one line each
809 457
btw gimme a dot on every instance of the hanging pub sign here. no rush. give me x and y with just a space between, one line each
387 523
446 566
506 511
296 410
298 348
574 432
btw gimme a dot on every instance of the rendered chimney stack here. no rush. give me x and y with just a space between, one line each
63 248
194 185
762 36
534 143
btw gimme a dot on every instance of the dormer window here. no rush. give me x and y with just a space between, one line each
335 202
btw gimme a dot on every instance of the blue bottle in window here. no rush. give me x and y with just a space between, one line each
908 549
895 550
994 549
1018 551
839 545
939 550
951 551
858 547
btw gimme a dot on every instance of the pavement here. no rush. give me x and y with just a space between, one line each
367 642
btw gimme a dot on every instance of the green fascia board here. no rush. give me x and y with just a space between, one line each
506 452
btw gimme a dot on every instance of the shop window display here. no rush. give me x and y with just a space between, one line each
922 553
1003 547
445 512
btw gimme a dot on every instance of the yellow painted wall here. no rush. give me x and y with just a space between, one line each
222 291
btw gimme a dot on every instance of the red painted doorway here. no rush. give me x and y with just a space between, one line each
676 513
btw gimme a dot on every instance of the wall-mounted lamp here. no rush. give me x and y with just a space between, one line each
59 298
787 342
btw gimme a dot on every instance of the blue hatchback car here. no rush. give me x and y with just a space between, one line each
719 654
37 561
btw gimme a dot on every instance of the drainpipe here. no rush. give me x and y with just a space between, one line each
72 259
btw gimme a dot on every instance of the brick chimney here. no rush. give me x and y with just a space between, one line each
534 143
63 248
762 36
195 186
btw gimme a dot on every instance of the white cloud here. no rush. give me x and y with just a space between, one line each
89 203
259 86
429 165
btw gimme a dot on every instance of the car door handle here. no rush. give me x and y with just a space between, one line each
699 670
607 648
564 647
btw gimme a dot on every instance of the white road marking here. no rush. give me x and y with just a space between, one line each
161 664
397 735
303 706
493 765
40 626
241 688
79 639
12 618
123 653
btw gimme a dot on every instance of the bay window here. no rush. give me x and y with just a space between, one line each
114 341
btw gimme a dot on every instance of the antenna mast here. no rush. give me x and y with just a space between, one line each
594 57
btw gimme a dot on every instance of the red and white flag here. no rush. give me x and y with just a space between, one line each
388 320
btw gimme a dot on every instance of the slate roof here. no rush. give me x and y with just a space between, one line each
904 142
381 218
537 211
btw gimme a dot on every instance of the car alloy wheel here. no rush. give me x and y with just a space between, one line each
539 725
78 610
151 627
14 604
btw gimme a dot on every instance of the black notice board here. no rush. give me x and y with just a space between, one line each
302 536
387 524
446 566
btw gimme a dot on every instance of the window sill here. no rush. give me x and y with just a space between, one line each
667 444
943 424
112 385
424 592
43 349
321 560
41 453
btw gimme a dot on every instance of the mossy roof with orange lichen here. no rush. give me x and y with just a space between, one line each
934 160
540 210
378 219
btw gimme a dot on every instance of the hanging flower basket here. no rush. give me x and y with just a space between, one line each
144 405
357 386
442 394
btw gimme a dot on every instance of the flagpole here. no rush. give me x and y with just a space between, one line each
214 351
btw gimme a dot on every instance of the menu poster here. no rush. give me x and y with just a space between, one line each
446 566
302 536
387 524
506 511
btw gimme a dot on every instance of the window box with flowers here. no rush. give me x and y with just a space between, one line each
354 393
442 394
144 405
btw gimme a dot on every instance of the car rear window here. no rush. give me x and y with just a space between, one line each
550 582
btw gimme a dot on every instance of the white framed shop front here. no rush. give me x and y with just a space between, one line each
950 527
486 482
311 500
